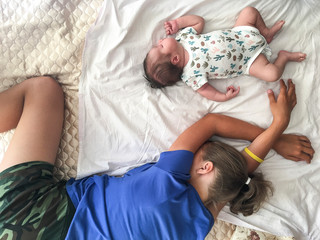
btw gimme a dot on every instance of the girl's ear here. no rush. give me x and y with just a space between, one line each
175 59
206 168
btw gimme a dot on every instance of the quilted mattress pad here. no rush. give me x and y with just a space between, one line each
47 38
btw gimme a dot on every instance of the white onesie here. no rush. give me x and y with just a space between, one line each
220 54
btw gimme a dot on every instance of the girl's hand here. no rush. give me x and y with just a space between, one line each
281 110
290 146
282 107
171 27
294 147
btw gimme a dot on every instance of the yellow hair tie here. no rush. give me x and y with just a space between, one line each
251 154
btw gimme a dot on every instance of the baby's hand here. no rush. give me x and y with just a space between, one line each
171 27
232 92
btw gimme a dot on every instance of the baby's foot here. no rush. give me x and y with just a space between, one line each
293 56
273 30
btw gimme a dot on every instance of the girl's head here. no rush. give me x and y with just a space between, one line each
163 64
230 180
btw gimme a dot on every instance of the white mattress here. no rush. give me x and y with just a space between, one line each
123 123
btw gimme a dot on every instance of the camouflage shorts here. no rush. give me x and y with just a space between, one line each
32 204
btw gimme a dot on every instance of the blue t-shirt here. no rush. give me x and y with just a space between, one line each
154 201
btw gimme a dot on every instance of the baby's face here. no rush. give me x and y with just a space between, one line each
165 47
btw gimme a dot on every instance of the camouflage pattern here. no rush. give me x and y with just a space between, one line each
32 204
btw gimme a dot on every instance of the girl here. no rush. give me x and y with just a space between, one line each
176 198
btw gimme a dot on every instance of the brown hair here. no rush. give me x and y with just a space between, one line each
230 183
161 73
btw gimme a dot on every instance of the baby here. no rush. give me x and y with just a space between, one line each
194 58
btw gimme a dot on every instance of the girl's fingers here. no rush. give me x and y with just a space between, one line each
302 157
283 87
292 91
271 97
304 139
305 151
293 158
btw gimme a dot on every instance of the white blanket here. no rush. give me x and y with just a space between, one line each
124 123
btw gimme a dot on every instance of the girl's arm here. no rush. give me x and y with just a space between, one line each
281 110
213 94
194 21
290 146
214 124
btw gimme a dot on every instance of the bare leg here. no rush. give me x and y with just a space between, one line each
270 72
35 108
250 16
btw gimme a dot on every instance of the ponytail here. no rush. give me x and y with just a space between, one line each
251 196
230 182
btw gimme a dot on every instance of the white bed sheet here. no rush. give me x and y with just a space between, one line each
123 123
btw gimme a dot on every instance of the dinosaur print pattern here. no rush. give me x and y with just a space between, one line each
219 54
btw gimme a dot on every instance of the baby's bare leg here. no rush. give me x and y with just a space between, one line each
270 72
250 16
35 108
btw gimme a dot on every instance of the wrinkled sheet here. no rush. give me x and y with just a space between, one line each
123 123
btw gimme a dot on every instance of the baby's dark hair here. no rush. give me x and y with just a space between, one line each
230 183
162 73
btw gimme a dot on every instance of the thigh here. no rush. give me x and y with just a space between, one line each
35 107
264 70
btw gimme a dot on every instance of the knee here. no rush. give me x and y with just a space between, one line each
46 85
273 75
250 10
44 91
44 82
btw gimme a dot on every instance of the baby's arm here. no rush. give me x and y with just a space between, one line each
211 93
194 21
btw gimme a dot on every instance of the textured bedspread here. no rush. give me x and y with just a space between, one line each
47 38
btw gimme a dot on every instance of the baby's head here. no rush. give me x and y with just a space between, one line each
163 65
